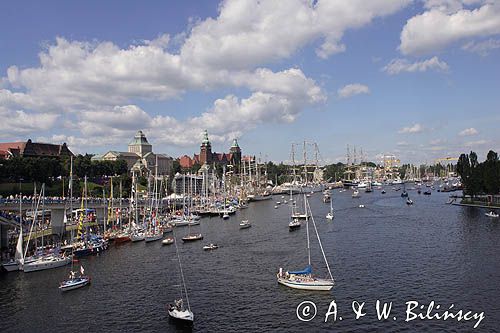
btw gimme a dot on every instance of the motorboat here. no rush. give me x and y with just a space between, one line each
409 201
192 238
210 246
491 214
245 224
294 224
168 241
74 283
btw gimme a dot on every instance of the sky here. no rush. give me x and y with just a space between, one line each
418 79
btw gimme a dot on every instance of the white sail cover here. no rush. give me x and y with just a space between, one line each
19 247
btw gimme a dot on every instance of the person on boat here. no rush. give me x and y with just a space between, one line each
178 304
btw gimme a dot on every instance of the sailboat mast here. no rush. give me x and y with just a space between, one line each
319 241
182 274
71 196
307 231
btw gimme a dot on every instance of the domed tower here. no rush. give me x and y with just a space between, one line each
140 145
235 152
205 150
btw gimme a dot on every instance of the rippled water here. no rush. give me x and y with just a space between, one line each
386 251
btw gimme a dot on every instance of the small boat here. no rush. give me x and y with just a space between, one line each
122 238
75 282
151 237
491 214
137 236
404 194
178 313
245 224
361 206
355 194
210 246
192 238
168 241
409 201
383 192
427 192
194 222
278 202
225 216
275 207
294 224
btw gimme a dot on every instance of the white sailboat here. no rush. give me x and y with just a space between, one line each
13 265
49 261
177 311
305 279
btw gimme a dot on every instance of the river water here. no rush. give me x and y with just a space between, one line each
387 251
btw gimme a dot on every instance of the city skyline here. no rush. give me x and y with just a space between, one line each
417 79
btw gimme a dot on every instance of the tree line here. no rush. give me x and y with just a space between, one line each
479 178
46 170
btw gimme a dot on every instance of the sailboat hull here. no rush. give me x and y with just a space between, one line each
317 284
153 238
11 266
74 283
182 317
46 263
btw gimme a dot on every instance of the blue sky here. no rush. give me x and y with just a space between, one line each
418 79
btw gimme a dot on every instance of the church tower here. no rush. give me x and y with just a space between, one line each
235 152
205 150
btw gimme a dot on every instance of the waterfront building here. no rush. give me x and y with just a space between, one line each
206 156
140 157
189 184
33 149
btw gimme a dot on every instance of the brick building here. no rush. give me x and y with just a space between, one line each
33 149
206 156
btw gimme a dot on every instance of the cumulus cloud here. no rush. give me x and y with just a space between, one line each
482 48
353 89
397 66
22 123
97 84
446 22
468 132
416 128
